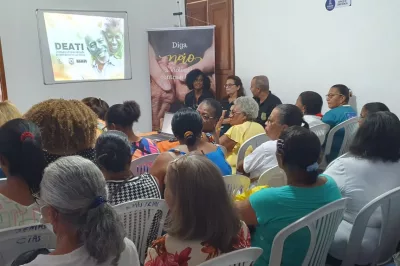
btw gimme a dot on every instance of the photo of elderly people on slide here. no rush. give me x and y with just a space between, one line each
85 47
106 46
172 55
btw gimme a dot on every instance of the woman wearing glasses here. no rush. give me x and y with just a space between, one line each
234 89
210 111
242 119
338 101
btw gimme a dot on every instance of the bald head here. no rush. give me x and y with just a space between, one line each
262 83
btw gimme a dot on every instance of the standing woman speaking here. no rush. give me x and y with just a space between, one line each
199 85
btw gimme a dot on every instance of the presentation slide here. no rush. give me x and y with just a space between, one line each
83 47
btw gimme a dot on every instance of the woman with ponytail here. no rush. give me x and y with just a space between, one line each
22 160
273 209
263 157
73 199
121 117
187 126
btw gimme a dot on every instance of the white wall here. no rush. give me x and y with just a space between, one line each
19 36
301 46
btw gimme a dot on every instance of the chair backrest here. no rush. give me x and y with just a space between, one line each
321 131
236 184
322 224
17 240
143 164
242 257
254 142
347 154
140 219
389 233
273 177
350 129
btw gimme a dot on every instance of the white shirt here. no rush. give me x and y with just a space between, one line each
361 181
261 159
80 257
313 120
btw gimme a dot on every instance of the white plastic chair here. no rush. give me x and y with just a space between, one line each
350 128
242 257
321 131
322 225
236 184
138 217
273 177
254 142
143 164
389 233
15 241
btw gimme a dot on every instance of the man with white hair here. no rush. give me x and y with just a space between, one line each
105 66
264 97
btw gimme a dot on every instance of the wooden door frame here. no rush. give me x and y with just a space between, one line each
3 76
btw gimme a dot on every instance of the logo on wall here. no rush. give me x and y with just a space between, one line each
330 5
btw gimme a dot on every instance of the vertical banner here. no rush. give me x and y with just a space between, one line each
174 52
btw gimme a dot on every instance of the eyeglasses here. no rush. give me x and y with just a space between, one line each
235 113
331 95
205 116
229 85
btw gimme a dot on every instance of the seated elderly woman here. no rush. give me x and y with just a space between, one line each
187 126
68 127
371 108
8 111
73 200
243 114
371 170
211 113
121 117
272 209
202 223
113 156
100 107
22 159
264 156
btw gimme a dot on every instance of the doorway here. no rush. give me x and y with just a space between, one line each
220 14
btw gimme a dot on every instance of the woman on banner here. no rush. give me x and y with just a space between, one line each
169 65
199 85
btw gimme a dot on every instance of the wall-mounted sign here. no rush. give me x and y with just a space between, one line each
332 4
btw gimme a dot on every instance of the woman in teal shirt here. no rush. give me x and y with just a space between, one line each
338 101
272 209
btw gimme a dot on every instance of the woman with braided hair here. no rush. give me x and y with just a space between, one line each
22 160
68 127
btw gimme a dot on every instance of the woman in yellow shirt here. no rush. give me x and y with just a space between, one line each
242 117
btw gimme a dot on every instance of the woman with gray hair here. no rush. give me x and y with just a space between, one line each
73 199
242 119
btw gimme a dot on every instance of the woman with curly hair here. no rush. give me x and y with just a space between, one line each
68 127
199 85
